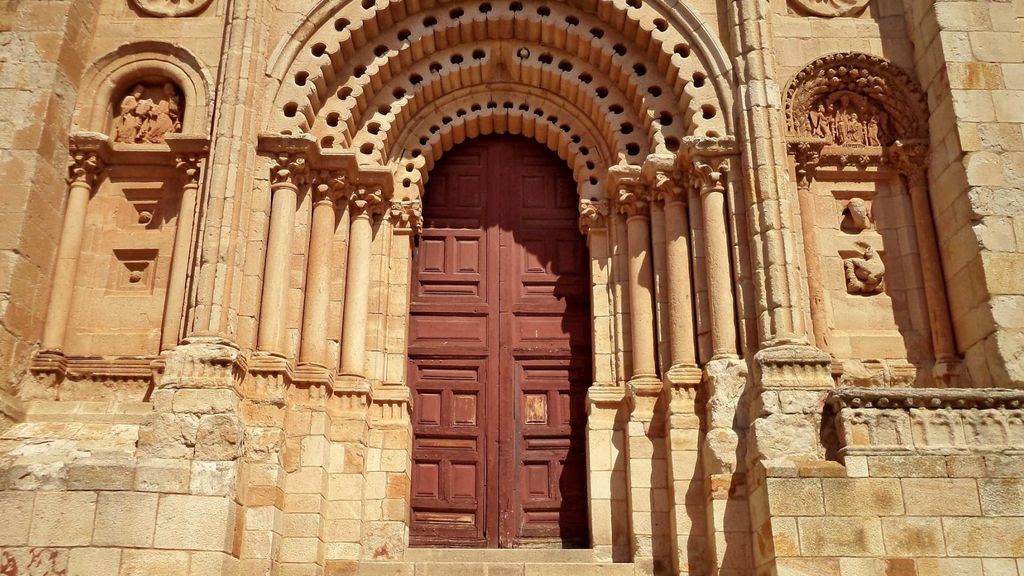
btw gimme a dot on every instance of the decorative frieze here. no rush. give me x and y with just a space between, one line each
873 420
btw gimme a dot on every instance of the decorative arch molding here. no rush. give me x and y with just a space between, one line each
865 82
508 109
351 72
113 73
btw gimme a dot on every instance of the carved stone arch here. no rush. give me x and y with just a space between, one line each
418 146
877 82
346 49
113 74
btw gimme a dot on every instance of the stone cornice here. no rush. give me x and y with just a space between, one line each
929 398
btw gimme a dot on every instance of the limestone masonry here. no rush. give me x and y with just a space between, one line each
512 287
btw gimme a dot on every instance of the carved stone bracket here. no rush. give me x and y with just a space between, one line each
593 214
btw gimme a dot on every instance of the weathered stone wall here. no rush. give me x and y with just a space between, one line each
720 439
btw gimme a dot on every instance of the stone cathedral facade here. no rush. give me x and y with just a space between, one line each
512 287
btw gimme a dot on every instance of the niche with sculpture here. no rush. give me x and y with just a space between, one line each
146 112
851 119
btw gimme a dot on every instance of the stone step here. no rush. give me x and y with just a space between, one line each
494 569
491 555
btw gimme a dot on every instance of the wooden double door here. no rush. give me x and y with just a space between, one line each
499 352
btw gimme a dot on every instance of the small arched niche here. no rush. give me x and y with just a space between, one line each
146 79
146 111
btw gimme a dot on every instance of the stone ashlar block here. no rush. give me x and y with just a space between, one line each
63 519
187 522
125 519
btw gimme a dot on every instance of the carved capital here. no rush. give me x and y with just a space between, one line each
670 186
190 168
593 214
84 167
910 158
330 185
406 215
366 200
709 173
289 169
632 198
806 155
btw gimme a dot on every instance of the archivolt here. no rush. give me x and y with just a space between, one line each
503 109
355 74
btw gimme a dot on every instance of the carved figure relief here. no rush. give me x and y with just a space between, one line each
831 7
171 8
856 216
864 275
849 119
147 113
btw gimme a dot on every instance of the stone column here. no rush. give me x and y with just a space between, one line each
606 467
330 190
177 280
365 201
632 200
911 159
284 188
669 190
806 154
84 168
709 171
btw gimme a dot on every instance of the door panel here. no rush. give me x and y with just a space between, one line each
499 353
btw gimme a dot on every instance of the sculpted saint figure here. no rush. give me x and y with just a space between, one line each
854 131
142 121
818 121
163 117
872 132
128 121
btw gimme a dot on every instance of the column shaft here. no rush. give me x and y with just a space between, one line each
357 296
318 286
174 302
641 296
680 306
815 288
720 296
275 274
66 268
931 270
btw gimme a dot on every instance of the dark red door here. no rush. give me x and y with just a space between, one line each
499 352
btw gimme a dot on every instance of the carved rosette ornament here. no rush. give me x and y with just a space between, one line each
171 8
593 214
406 215
831 8
856 101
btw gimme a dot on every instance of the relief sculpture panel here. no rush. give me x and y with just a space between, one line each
147 113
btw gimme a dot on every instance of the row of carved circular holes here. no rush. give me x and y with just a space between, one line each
625 128
664 118
682 49
632 148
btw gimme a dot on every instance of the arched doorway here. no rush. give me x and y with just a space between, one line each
500 352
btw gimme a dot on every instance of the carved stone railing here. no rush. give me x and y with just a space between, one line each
873 421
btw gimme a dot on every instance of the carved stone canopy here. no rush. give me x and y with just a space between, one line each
855 100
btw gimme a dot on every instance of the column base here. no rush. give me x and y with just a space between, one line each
351 396
48 369
271 378
311 384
